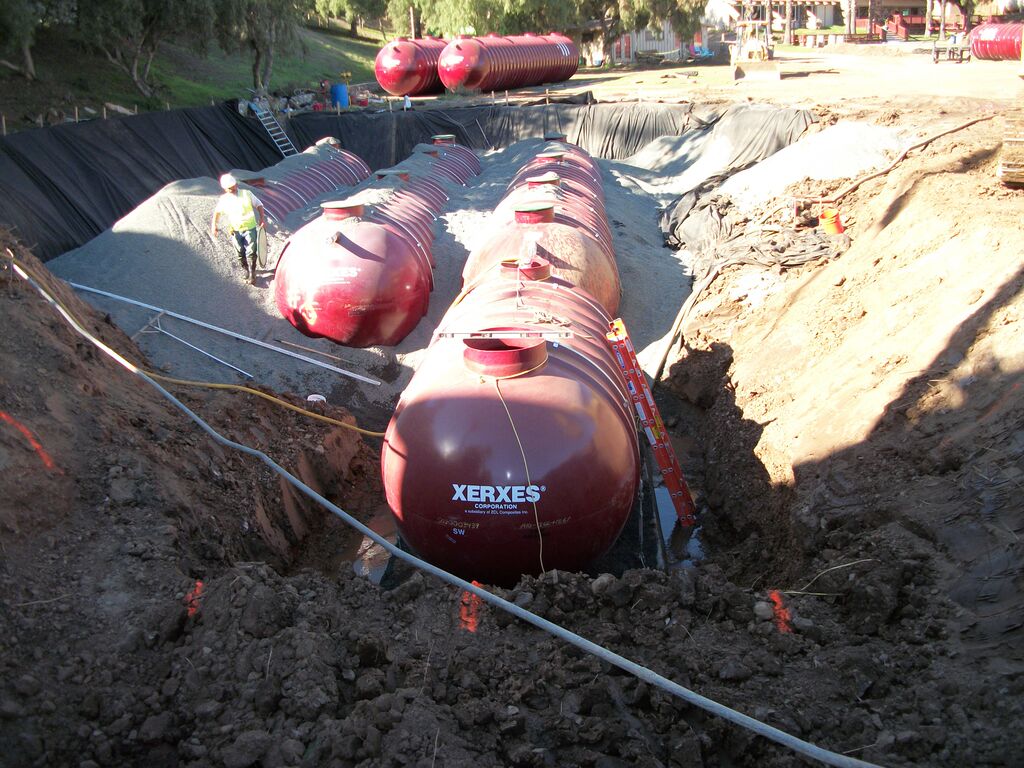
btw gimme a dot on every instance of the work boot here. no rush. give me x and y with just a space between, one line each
252 272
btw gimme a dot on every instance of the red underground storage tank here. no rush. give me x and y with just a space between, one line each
570 207
407 67
510 454
350 279
495 63
576 256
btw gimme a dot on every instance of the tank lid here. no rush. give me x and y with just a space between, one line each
535 268
401 39
550 157
329 141
554 136
443 138
504 358
550 178
339 210
539 212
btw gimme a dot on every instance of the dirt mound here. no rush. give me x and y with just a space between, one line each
862 431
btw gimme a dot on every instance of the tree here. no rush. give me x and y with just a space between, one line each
18 22
263 27
787 29
353 10
967 9
128 32
509 17
928 18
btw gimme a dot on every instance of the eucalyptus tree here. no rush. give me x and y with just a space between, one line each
261 27
129 32
352 10
451 17
19 20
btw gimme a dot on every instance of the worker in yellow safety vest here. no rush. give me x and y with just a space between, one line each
244 214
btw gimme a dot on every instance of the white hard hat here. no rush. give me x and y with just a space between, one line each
227 181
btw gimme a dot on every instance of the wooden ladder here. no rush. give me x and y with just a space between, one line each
650 419
277 134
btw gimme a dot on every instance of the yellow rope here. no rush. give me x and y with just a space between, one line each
526 466
214 385
265 396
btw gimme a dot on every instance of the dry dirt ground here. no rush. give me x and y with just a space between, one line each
854 430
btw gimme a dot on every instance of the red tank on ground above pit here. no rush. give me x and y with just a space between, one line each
494 63
407 67
514 455
997 41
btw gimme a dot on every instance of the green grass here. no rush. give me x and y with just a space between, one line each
71 75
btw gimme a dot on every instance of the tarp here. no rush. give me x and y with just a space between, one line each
745 135
62 186
611 131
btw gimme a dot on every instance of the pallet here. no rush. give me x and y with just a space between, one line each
957 53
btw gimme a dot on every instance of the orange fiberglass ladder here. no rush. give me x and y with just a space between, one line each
650 418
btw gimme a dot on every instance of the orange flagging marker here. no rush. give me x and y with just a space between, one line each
36 445
650 419
193 597
782 617
469 609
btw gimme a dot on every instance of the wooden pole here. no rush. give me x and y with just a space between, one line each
136 108
104 111
3 123
76 113
506 98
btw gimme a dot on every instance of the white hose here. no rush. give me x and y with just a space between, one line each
762 729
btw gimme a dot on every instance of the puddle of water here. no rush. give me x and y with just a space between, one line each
684 545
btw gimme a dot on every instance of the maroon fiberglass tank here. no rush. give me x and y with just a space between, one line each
575 256
997 41
570 207
510 454
407 67
494 63
362 276
350 279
